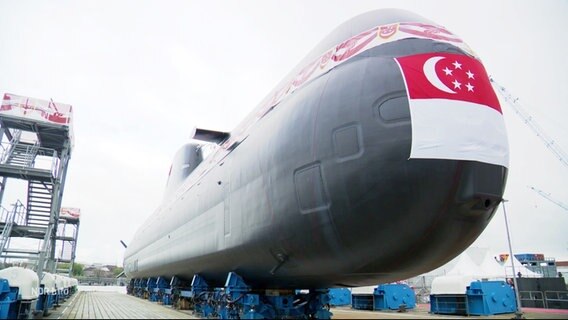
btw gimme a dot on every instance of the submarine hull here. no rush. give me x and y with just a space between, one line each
323 191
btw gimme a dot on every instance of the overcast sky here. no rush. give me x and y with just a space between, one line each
141 74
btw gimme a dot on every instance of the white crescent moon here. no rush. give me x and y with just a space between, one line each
430 73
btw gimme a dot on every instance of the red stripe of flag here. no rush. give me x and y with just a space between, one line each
448 76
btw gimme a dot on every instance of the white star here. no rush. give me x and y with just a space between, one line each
469 87
457 85
457 65
470 75
448 71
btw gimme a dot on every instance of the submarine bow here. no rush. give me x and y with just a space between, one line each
381 156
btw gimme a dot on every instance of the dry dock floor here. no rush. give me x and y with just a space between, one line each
106 303
113 305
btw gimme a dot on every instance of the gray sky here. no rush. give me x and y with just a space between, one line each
141 74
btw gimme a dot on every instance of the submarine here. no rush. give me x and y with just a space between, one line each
381 156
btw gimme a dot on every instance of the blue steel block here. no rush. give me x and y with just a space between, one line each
340 297
4 309
140 287
490 297
186 293
199 284
251 300
9 304
281 306
448 304
44 302
56 300
235 284
154 296
150 284
317 305
236 301
252 308
41 302
252 314
282 302
362 301
167 298
162 283
392 296
49 300
6 299
5 288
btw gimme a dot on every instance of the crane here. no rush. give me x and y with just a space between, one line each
549 198
529 121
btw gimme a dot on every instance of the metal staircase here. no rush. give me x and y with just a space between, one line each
13 221
9 217
66 244
40 200
22 154
36 139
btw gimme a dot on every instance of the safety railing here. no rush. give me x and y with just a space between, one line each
65 229
32 156
19 212
532 299
556 299
4 215
16 135
7 147
9 218
536 272
55 164
16 215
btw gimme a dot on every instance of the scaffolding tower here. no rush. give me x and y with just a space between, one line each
66 241
36 139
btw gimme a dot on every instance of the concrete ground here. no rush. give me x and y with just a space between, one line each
422 312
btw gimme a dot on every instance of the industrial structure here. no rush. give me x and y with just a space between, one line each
66 240
36 142
549 197
538 263
529 120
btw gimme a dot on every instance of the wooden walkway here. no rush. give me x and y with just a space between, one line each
113 305
118 305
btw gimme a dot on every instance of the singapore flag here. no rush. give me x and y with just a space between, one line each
454 111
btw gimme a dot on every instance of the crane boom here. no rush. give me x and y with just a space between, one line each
529 121
549 198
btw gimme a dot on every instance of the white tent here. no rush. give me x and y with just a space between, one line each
483 266
465 266
487 266
506 269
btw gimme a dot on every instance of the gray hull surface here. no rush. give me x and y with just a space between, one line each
322 192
